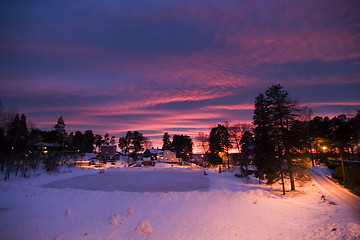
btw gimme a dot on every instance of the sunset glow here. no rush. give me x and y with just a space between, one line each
174 66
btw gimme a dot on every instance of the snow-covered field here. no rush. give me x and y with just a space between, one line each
165 203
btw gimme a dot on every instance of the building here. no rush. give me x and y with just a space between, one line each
152 153
108 152
169 157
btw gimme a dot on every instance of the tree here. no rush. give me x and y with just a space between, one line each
183 146
247 146
219 144
137 142
98 141
18 134
60 131
78 141
236 132
132 143
88 141
274 117
112 140
106 139
282 116
265 160
204 141
166 142
16 144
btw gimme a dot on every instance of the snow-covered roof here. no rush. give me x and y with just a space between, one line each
154 151
46 144
108 146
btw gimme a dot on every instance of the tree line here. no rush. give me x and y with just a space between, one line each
22 148
283 140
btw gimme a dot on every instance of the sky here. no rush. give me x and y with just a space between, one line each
176 66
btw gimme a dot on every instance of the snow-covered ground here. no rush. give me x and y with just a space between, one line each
165 203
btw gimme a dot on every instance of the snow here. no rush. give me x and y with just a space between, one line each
137 180
322 170
165 203
144 228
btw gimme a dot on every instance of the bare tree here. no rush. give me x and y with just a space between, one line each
203 139
236 131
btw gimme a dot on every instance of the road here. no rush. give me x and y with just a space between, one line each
339 193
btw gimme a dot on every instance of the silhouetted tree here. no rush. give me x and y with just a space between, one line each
183 146
133 143
247 143
124 143
268 166
219 143
89 140
60 132
16 143
166 142
275 119
78 141
204 141
112 140
98 141
107 139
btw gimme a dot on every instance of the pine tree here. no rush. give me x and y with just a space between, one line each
274 117
219 143
247 146
183 146
265 160
89 141
60 131
282 117
78 141
166 142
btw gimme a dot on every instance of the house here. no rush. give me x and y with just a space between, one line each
199 159
169 157
107 151
152 153
44 149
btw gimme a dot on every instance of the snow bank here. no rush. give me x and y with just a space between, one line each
144 228
226 209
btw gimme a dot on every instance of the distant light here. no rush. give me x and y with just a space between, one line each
324 148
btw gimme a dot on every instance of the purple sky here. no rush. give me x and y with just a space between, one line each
174 66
